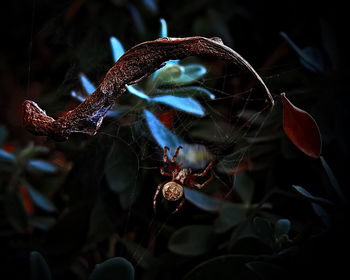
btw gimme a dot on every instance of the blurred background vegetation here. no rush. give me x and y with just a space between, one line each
274 215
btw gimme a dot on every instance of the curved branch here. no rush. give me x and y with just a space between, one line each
135 65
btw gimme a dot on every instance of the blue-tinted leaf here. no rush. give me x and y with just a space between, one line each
189 91
192 240
77 96
133 90
140 25
121 167
231 214
315 56
333 180
151 5
162 135
6 157
164 28
308 195
117 48
43 223
39 270
244 186
186 104
308 57
114 268
282 227
40 200
3 134
202 200
322 214
41 166
88 86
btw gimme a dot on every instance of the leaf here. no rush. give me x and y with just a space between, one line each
100 225
226 267
189 91
6 157
3 135
186 104
87 84
77 96
264 230
173 74
333 180
282 227
268 271
112 269
121 167
213 131
231 214
311 59
41 166
202 200
40 200
301 129
308 195
151 5
315 61
244 186
192 240
162 135
15 211
43 223
117 48
136 16
133 90
322 214
164 28
39 270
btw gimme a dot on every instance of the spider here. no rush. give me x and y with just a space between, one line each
174 190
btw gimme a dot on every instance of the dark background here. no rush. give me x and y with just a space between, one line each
46 44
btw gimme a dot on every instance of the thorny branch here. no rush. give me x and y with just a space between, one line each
135 65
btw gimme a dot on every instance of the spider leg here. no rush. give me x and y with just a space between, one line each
173 160
180 205
205 171
200 186
159 187
165 155
163 172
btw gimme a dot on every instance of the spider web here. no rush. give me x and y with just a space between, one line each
233 119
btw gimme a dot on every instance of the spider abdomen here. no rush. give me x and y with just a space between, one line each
172 191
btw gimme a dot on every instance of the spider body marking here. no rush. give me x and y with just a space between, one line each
174 190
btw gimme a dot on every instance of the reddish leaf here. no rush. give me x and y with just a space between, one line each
301 128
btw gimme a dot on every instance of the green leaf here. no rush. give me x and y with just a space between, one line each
15 211
39 270
244 186
189 91
226 267
112 269
231 214
121 167
176 75
40 200
6 157
38 165
202 201
192 240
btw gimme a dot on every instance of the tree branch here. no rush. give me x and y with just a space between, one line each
135 65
